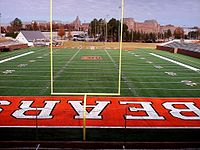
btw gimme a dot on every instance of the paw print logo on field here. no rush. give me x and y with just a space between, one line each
189 83
8 71
171 73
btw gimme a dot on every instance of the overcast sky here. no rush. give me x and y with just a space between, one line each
177 12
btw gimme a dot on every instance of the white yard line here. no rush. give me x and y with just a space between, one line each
131 86
64 67
176 62
110 57
18 56
59 72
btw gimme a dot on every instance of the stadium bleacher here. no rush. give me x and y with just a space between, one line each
190 49
185 46
11 45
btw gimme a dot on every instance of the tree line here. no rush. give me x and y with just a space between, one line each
111 31
104 30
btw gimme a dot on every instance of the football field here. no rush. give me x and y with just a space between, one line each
145 72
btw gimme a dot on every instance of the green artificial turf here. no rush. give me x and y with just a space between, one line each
71 74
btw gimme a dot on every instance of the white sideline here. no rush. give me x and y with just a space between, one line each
176 62
11 58
101 127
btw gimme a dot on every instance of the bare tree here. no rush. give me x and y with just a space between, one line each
35 25
61 32
179 33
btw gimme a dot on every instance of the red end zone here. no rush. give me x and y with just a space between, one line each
102 112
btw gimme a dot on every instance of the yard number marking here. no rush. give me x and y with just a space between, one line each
8 71
171 73
189 83
158 67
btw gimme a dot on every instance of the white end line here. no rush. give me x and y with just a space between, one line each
11 58
175 62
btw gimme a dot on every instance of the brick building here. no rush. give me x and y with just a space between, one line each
167 27
85 27
147 26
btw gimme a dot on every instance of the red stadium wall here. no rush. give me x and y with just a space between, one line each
18 46
2 48
13 47
169 49
189 53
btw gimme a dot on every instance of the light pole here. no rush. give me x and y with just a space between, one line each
106 32
119 24
106 39
131 35
95 28
0 25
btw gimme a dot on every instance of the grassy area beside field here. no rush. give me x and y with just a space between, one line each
110 45
4 40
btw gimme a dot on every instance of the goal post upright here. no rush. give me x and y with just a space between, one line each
84 117
121 46
51 43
